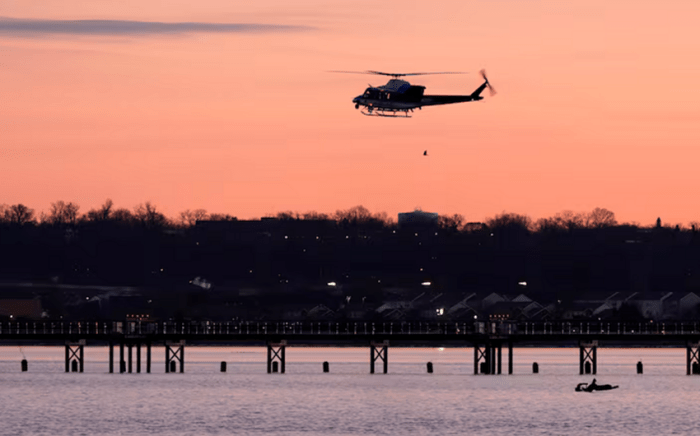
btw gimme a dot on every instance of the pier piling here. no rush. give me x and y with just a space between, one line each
130 346
692 358
122 363
276 356
588 357
75 354
510 358
111 357
379 351
174 352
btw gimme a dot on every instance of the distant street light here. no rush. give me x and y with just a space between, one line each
331 284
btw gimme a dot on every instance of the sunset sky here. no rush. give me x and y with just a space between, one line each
229 106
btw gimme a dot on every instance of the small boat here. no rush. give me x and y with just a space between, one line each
585 387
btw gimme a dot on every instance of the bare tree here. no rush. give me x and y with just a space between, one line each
222 217
451 222
63 213
570 220
189 218
103 213
600 217
147 215
384 218
19 214
123 216
315 216
354 215
287 215
547 224
510 220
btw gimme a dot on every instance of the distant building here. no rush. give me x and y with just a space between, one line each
14 309
418 218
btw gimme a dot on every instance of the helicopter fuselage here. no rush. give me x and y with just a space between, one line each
400 96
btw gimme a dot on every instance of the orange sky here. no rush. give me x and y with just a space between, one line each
597 106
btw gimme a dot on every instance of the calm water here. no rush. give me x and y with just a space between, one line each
304 401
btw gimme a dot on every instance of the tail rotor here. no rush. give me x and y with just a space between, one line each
486 80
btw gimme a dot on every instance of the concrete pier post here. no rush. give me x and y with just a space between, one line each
138 357
379 351
276 357
498 369
174 352
588 357
269 359
148 357
510 358
130 365
111 357
122 363
75 356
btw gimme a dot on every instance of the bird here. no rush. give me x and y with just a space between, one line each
425 153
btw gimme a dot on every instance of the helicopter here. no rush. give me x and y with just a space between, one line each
398 97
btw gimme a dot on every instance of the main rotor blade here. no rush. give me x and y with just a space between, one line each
348 72
381 73
415 74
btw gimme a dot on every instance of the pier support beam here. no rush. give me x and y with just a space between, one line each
122 362
588 357
379 351
111 357
488 358
510 358
276 353
130 346
692 358
75 356
174 352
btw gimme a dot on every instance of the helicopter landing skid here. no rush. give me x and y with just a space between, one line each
395 113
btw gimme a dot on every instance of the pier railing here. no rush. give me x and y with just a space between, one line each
325 328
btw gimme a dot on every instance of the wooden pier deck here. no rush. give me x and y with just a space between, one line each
486 337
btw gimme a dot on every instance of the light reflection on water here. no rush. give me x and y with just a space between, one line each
349 400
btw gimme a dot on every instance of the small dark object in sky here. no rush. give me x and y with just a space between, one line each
425 153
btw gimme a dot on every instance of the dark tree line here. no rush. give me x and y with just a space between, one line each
565 254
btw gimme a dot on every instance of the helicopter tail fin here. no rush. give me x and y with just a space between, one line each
476 94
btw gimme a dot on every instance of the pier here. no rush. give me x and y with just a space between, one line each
487 338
